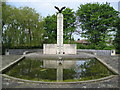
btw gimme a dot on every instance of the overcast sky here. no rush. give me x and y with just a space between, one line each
46 7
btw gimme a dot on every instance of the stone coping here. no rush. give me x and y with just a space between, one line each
56 56
43 82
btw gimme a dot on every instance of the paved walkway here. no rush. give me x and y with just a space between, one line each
112 61
7 59
109 83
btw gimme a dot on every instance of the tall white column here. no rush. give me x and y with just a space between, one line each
60 33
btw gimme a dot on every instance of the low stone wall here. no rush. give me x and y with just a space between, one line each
21 51
54 49
96 52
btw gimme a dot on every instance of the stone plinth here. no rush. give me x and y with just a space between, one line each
69 48
52 49
49 48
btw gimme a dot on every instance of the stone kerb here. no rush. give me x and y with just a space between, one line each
96 52
75 82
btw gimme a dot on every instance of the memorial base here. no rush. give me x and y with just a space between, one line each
52 49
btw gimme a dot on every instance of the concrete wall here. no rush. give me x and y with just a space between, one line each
49 48
20 51
97 52
52 48
69 48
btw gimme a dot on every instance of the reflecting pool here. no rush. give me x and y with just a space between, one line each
58 70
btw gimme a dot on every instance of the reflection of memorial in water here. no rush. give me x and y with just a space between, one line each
55 63
59 65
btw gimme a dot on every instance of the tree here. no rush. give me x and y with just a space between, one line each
50 27
69 24
6 13
117 36
32 26
22 27
96 21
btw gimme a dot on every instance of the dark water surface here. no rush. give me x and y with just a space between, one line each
46 70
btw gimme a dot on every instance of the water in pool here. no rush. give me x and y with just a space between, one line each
58 70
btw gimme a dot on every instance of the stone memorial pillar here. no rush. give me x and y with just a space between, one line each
60 33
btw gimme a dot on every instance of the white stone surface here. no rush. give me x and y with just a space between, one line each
49 48
60 33
52 49
69 48
6 52
112 52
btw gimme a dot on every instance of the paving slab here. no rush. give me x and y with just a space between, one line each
7 59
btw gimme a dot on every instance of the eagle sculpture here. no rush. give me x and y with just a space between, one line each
60 10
